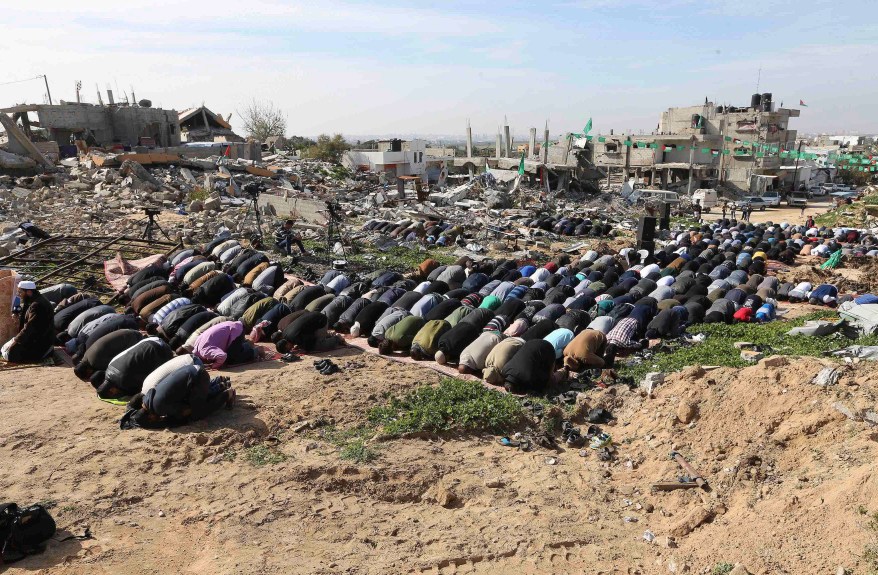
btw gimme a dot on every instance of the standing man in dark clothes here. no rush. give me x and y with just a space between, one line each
36 333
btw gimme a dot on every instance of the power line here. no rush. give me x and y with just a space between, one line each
20 81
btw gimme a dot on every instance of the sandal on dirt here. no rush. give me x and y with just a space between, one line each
506 442
600 441
574 438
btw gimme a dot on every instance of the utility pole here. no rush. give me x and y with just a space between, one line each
691 158
48 93
796 172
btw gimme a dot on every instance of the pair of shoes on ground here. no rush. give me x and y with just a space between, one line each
326 367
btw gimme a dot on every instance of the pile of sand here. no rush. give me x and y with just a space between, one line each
790 476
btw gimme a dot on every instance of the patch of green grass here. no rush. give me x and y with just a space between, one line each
199 194
861 509
260 455
402 259
870 200
352 442
358 452
719 349
341 437
722 568
687 221
453 405
873 522
230 455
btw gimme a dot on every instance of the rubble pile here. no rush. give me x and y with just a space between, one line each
90 196
106 195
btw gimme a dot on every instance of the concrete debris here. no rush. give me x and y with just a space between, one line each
651 381
751 356
828 376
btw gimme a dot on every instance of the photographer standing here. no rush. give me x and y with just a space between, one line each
285 237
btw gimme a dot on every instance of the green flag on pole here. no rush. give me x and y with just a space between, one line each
587 128
521 165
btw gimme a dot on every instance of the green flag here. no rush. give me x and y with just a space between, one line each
521 165
602 139
587 128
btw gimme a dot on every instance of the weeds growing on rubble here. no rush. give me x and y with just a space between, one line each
453 405
718 348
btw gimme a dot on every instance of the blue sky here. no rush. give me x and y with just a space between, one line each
359 67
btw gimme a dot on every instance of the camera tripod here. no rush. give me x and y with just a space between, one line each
151 226
253 208
334 233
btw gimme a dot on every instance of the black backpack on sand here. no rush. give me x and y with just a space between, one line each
23 531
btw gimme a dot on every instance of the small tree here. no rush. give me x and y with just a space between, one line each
857 177
300 142
262 119
328 148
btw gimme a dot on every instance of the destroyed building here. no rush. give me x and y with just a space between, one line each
201 125
99 125
733 146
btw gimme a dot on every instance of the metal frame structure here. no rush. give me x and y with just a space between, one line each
80 260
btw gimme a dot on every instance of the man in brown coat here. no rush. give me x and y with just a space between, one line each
36 334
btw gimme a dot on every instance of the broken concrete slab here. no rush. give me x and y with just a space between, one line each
22 142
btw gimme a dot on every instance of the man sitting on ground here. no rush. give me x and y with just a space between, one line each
36 333
285 237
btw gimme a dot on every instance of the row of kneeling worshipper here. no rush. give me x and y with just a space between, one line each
444 233
200 308
214 303
440 311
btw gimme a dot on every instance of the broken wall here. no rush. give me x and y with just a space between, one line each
111 123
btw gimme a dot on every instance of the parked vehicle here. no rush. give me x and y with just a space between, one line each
817 191
756 202
797 199
707 198
660 195
771 198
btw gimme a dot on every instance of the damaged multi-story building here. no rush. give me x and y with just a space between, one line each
737 147
99 125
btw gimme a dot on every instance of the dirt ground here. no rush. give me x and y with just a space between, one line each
790 477
816 206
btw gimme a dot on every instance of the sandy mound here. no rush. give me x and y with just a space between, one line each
789 476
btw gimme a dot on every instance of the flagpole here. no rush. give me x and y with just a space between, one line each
796 173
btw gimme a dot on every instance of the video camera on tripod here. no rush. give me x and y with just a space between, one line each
253 189
333 208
